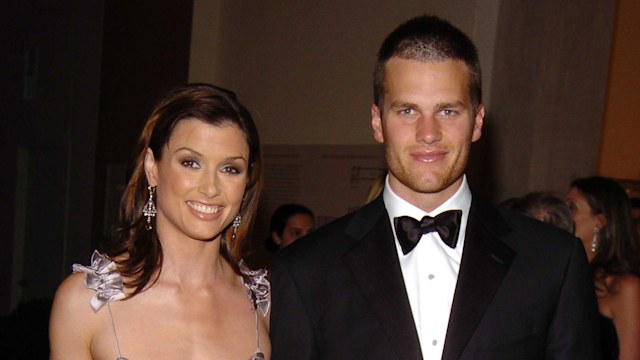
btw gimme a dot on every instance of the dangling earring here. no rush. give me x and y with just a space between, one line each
594 239
149 209
236 224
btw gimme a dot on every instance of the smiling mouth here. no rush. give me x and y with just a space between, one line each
204 208
429 157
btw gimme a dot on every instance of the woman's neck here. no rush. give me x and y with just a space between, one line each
190 262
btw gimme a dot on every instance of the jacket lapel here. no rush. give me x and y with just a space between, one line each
485 262
374 265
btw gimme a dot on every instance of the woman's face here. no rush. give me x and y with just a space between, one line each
200 179
583 217
298 225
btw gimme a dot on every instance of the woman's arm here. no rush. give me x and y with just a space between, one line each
71 320
625 310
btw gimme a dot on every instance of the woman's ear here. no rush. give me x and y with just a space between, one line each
601 221
151 168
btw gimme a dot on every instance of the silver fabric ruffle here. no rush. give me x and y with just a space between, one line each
102 277
258 287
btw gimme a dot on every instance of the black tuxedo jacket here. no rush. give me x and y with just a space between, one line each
524 291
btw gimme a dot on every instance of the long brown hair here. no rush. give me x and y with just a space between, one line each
137 250
618 252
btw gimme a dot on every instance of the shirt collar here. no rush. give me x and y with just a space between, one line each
397 206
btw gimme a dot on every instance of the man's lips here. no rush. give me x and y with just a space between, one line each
428 156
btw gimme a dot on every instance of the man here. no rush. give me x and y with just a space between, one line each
376 284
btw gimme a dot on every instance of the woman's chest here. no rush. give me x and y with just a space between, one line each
139 329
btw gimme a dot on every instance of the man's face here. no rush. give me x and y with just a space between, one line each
427 124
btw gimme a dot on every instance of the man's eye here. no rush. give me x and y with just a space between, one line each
190 164
448 112
406 112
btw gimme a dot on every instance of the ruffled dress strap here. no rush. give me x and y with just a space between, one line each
258 291
102 277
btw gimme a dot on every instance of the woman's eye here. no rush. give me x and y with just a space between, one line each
189 163
232 170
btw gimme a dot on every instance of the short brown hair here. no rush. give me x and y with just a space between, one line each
428 39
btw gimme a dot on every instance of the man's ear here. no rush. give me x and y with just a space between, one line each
478 123
376 123
151 168
276 238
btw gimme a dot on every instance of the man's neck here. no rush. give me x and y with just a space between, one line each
422 200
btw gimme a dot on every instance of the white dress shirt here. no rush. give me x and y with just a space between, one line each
430 270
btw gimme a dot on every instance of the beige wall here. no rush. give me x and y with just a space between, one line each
550 73
305 70
305 67
620 146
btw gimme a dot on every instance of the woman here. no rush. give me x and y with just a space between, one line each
289 223
172 285
601 212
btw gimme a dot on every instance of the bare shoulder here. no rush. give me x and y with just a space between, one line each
73 284
73 296
625 294
624 303
72 320
267 317
625 285
259 288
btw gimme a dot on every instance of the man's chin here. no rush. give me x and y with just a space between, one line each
430 184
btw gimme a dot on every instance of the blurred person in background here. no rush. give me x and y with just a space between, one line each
602 214
545 207
289 222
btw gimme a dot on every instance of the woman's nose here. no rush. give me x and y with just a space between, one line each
208 184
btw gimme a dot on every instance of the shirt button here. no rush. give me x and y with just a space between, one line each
434 342
431 276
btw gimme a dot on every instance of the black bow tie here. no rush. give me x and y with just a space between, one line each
409 230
